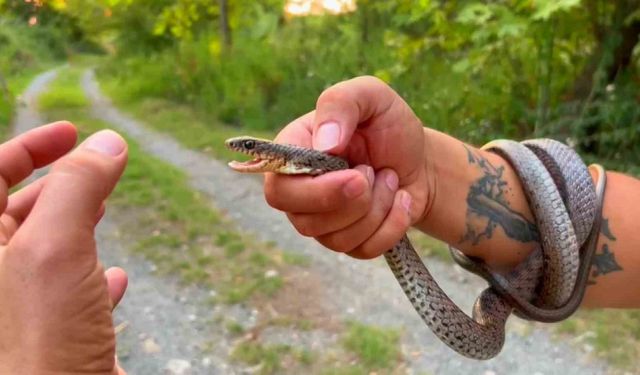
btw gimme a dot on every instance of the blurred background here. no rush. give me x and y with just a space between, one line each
479 70
203 70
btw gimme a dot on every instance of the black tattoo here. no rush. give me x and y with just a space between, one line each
488 208
604 262
604 229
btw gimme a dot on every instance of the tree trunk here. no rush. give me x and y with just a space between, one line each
612 56
621 54
225 29
4 87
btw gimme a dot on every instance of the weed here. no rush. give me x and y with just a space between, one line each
269 357
377 348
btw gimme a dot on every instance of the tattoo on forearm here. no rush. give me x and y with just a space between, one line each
605 261
488 208
604 229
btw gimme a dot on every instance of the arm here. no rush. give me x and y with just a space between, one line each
479 207
408 175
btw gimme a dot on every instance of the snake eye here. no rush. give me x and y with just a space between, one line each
249 144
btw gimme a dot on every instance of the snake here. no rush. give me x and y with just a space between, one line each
547 286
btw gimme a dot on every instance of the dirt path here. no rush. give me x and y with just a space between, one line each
354 290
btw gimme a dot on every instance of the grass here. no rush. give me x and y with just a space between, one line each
268 358
169 223
428 246
16 84
614 334
376 348
192 128
365 350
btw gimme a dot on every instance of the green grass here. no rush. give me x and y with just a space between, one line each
193 129
614 334
16 84
428 246
346 370
269 358
376 348
168 222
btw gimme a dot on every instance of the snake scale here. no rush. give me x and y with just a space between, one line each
547 286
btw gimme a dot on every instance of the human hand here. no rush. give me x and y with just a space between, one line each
362 211
55 316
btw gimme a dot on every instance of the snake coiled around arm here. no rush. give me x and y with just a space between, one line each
566 206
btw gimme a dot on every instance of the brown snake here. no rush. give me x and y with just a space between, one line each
547 286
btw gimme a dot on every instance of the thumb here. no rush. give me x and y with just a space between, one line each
64 214
341 108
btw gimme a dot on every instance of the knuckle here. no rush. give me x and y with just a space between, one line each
338 242
83 169
372 80
334 94
365 253
305 226
371 249
271 194
44 256
327 202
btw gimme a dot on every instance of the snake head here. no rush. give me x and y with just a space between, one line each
279 158
264 160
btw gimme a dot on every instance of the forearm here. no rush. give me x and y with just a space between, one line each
479 207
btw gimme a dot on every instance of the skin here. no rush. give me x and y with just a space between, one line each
56 297
408 175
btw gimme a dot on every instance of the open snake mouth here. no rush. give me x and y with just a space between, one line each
262 161
248 166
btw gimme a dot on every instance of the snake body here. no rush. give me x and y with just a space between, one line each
549 283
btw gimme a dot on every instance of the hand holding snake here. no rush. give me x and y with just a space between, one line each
373 131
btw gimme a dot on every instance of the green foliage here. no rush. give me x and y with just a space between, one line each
475 69
484 70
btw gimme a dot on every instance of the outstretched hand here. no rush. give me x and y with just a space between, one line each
362 211
56 298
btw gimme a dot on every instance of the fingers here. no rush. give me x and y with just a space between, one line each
31 150
64 215
363 229
328 192
385 223
298 132
19 206
394 226
344 106
347 238
350 212
117 282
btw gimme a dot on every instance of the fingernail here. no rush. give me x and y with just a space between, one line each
368 172
405 200
353 188
391 179
371 176
327 136
106 142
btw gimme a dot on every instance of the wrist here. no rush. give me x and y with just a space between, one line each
474 194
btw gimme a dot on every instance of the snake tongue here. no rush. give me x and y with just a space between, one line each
251 166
